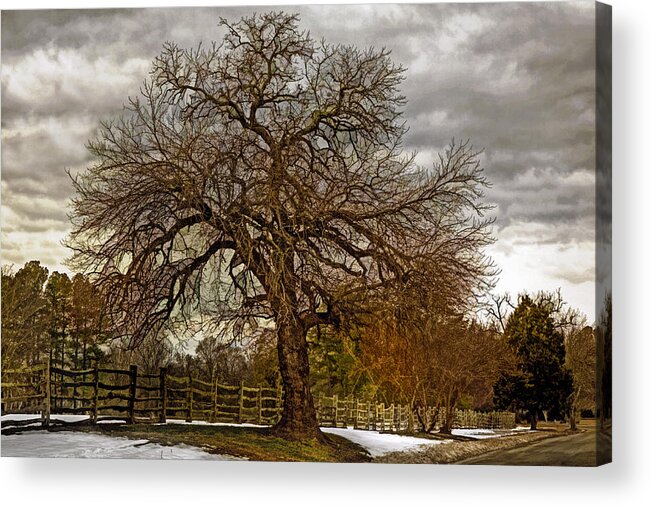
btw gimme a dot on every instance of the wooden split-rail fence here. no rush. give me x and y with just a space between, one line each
350 411
126 394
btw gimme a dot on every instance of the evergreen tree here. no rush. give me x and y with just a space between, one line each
58 293
24 315
85 322
541 380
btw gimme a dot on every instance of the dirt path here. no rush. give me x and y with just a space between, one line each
570 450
552 445
454 451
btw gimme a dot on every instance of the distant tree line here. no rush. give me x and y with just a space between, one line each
534 356
50 316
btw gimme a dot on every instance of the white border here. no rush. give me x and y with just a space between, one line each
107 482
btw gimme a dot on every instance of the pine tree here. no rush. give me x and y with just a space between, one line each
541 380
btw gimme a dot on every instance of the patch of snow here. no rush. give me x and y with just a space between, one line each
63 418
487 433
216 424
475 433
83 445
77 418
374 442
377 443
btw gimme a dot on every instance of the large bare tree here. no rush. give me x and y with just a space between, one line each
264 180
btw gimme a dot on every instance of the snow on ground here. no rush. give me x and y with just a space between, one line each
218 424
487 433
95 446
78 418
377 443
374 442
84 445
75 444
63 418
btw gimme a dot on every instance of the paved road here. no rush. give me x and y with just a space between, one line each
572 450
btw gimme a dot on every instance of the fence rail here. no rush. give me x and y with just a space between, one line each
27 390
113 394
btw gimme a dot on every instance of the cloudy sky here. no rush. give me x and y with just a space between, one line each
516 79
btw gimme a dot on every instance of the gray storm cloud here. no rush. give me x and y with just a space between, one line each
515 79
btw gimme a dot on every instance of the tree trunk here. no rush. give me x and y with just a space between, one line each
574 414
534 419
448 421
298 419
450 411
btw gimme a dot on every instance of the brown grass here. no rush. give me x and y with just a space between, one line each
248 442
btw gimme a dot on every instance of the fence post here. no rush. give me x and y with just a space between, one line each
48 396
74 393
259 405
335 403
162 385
133 378
188 401
350 402
279 401
241 403
95 393
215 384
356 412
318 402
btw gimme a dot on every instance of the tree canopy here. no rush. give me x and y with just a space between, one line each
49 317
25 314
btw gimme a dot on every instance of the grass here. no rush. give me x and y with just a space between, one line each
249 442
